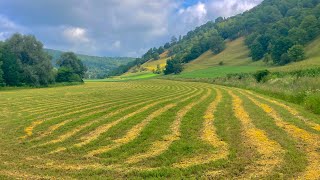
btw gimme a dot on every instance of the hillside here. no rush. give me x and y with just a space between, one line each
312 58
98 67
152 64
276 29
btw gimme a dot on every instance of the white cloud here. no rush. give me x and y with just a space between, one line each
227 8
8 27
111 27
116 44
76 34
196 14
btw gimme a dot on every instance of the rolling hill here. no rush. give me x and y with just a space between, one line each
98 67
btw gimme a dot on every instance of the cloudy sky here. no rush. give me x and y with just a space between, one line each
111 27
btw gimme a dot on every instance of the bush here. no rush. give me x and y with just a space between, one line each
296 53
312 103
261 75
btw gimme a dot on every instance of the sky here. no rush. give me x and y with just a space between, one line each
111 27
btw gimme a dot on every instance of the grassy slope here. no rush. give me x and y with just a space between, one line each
152 65
235 60
312 61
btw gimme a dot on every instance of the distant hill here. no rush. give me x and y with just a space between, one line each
98 67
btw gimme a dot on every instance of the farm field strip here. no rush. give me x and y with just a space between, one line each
270 151
310 141
158 147
291 110
156 129
86 102
102 129
135 131
93 135
67 120
73 111
210 136
53 99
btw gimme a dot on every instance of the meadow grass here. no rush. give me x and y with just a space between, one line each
218 71
154 129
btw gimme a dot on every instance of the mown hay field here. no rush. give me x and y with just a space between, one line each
154 129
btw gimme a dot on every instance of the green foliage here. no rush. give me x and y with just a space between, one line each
296 53
312 102
257 51
261 75
1 75
281 46
311 25
71 68
25 62
217 44
173 66
158 70
156 56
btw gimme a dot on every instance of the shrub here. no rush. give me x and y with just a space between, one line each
312 103
261 75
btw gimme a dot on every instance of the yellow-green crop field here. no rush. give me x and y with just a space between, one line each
154 129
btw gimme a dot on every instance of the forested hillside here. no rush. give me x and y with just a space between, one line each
98 67
275 31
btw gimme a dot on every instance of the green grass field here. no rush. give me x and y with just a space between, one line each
154 129
218 71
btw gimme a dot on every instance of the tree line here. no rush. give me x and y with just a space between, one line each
23 62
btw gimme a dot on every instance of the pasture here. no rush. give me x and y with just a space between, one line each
154 129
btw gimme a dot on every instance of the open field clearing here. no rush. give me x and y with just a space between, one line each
155 129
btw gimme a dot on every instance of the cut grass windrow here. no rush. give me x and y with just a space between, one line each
271 153
291 110
95 134
210 136
161 146
75 105
310 142
55 127
23 175
101 129
78 110
63 102
95 101
132 134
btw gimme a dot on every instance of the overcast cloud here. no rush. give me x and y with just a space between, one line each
111 27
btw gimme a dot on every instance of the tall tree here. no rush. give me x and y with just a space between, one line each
296 53
71 68
281 46
311 25
257 51
1 63
173 66
26 53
